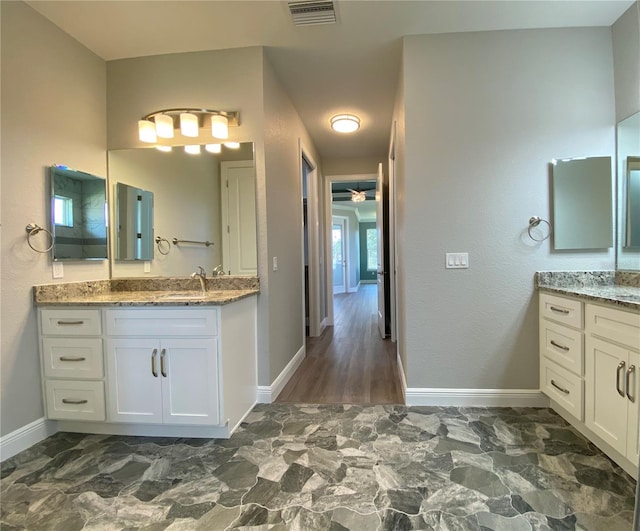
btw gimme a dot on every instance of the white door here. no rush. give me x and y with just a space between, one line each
339 253
189 396
134 380
381 272
238 200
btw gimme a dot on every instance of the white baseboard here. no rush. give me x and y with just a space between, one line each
419 396
268 393
25 437
354 289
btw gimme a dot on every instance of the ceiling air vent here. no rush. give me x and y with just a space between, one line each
312 12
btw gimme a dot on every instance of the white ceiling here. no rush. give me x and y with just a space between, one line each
349 66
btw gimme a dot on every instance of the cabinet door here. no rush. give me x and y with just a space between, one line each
190 387
605 407
134 391
633 435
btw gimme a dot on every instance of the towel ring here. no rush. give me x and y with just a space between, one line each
159 242
33 229
534 221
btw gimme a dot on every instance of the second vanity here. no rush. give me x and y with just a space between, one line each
148 357
590 358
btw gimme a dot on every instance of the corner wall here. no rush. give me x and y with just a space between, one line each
485 114
53 111
626 62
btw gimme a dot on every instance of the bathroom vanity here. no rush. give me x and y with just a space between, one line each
157 362
590 361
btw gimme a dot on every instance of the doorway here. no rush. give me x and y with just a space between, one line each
339 246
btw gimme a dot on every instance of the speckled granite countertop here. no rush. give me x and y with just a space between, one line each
597 286
146 292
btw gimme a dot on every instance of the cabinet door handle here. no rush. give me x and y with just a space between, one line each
163 370
154 371
619 370
74 401
67 358
559 310
558 345
561 389
631 370
70 322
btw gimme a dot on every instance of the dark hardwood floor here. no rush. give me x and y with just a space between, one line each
349 363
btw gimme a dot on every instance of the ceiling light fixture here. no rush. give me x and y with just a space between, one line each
213 148
358 197
345 123
232 145
192 149
166 149
190 122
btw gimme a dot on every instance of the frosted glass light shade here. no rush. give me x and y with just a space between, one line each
189 124
192 149
219 126
213 148
164 148
164 126
232 145
345 123
147 131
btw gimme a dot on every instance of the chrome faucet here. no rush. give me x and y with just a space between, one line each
202 277
217 271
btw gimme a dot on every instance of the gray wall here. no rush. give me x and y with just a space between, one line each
626 62
485 113
53 111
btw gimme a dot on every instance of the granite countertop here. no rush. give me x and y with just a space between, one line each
598 287
148 292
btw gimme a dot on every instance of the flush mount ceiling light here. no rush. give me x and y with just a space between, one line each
164 123
358 197
345 123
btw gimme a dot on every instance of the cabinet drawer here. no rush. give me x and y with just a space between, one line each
563 387
562 310
59 322
616 325
72 357
75 400
563 345
162 322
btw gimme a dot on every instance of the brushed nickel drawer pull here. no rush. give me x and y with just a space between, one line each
559 310
619 370
154 371
70 322
74 401
561 389
558 345
630 371
67 358
163 368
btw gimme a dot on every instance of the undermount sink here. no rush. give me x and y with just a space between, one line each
183 296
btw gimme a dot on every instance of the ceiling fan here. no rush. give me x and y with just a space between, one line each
358 196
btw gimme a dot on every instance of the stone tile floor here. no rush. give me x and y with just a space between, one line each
327 467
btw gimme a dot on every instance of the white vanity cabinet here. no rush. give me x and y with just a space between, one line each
612 379
562 352
72 363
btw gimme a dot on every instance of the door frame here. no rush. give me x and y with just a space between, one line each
344 221
328 271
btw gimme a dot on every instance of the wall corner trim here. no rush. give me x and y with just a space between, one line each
266 394
421 396
26 436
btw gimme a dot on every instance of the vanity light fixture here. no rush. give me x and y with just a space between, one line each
213 148
190 122
192 149
232 145
345 123
166 149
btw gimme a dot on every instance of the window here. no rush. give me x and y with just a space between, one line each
372 249
63 211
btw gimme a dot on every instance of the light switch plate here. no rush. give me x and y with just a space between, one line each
275 263
456 261
57 270
147 266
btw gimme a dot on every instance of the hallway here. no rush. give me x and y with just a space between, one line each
349 363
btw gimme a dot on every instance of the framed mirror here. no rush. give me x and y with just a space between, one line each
628 191
197 198
78 215
133 223
582 203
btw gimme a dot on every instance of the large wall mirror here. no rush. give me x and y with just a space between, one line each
78 215
197 198
628 158
582 203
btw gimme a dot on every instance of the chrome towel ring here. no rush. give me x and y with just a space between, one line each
159 242
33 229
534 221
